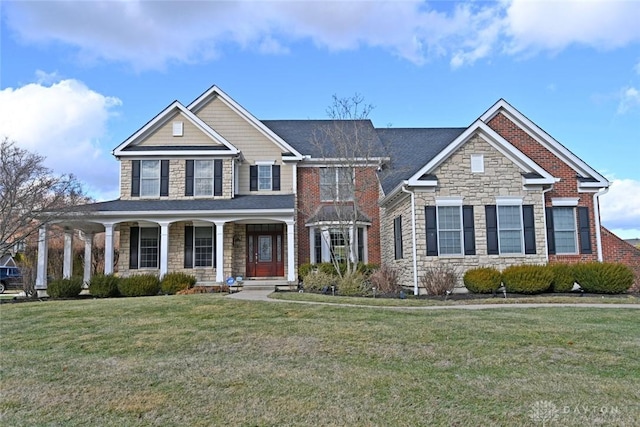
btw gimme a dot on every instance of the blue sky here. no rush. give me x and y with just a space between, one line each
77 78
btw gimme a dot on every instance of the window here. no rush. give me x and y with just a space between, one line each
450 230
510 229
336 184
264 177
338 246
149 243
203 247
178 128
361 252
203 177
564 223
397 237
149 178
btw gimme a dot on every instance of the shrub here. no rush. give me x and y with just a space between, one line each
104 286
65 288
174 282
366 269
305 269
316 281
353 285
527 279
439 280
139 285
385 280
563 277
483 280
193 290
603 277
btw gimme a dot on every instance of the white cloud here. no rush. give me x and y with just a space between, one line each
152 34
63 122
620 208
629 99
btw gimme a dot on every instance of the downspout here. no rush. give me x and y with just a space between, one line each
413 239
544 218
596 214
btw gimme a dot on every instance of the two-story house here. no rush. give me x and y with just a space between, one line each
210 190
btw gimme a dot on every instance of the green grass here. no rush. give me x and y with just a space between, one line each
203 360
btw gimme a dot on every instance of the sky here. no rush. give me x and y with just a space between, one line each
77 78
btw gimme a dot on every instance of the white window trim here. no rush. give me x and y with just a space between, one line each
157 194
195 187
565 201
519 205
178 129
509 201
140 248
325 234
575 231
261 165
213 245
336 183
450 202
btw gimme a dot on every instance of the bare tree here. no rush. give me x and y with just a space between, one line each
31 195
351 155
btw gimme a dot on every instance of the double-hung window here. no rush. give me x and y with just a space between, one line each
564 222
149 178
450 230
149 245
264 177
510 234
203 177
338 245
203 247
336 184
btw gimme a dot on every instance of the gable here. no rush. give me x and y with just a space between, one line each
156 136
539 145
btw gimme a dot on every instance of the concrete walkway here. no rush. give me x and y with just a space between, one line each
263 295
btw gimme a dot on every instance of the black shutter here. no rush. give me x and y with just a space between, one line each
188 246
551 238
253 178
469 230
135 178
432 231
528 221
275 177
584 230
397 236
217 177
134 241
164 178
188 182
492 229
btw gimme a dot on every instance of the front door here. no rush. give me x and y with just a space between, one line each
265 250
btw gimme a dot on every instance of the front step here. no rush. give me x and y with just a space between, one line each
270 285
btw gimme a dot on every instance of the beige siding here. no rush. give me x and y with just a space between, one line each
253 144
191 134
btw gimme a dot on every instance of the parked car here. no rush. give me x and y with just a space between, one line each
10 278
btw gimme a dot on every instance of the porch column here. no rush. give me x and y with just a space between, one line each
108 248
67 259
88 243
41 269
291 251
219 251
164 248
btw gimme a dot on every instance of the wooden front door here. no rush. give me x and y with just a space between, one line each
265 250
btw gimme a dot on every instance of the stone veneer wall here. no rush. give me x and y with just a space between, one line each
176 180
501 178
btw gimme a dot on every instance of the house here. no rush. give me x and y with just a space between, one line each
210 190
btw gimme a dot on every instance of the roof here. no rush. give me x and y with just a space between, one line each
410 149
318 138
336 213
251 202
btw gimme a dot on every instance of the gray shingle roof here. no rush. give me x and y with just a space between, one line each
410 149
251 202
317 137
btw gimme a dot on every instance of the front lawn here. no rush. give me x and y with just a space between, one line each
203 360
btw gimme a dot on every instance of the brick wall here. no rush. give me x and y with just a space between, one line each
566 187
367 193
614 249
